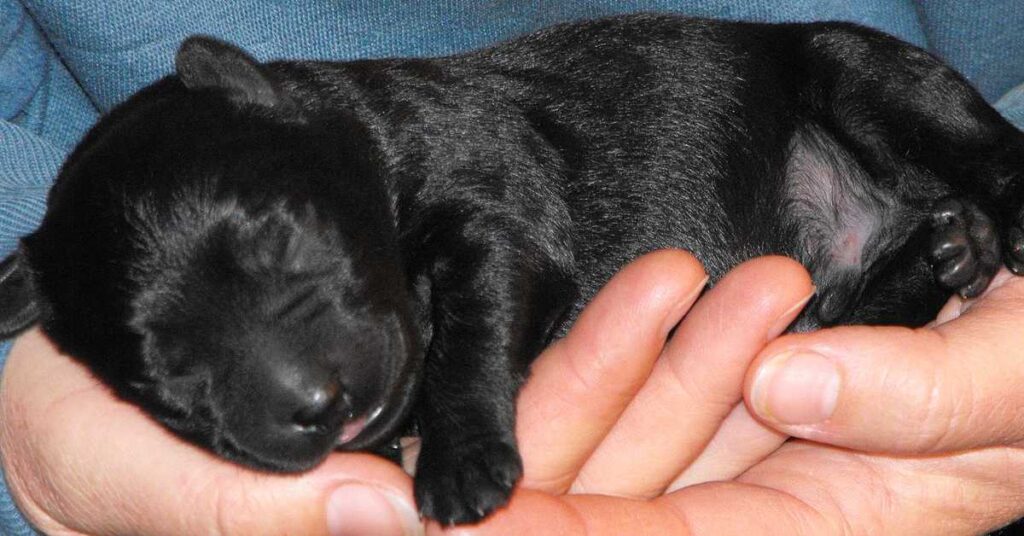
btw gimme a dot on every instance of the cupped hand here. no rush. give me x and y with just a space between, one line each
942 407
624 409
624 426
79 461
943 456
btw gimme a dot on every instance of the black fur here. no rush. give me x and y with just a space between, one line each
264 255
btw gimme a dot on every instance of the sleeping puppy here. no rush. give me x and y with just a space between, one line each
277 259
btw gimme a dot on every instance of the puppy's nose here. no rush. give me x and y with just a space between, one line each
320 406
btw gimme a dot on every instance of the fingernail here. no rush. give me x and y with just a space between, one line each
786 318
357 510
796 388
684 303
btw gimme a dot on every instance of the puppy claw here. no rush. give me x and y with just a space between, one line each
946 210
1015 247
976 286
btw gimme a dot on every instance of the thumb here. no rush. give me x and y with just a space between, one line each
79 461
350 494
899 390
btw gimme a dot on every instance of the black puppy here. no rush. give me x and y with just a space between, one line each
275 259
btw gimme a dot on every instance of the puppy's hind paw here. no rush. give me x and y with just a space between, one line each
964 249
465 483
1014 245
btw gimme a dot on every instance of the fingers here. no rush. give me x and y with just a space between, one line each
886 389
801 490
739 444
81 461
582 383
698 379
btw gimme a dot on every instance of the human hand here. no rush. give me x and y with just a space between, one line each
945 403
623 411
785 493
79 461
799 487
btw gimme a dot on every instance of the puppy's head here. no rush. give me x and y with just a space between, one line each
230 265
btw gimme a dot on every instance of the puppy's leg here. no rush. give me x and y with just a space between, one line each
492 307
911 121
903 291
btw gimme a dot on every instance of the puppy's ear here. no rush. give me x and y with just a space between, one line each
19 305
207 63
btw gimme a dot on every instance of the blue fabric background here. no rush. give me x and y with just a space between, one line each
63 62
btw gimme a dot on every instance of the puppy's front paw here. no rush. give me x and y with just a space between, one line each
964 247
463 483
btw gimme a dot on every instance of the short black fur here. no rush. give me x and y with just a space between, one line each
267 257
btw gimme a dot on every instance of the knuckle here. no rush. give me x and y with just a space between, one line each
947 395
692 388
236 509
233 507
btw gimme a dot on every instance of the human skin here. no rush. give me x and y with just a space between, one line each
931 417
622 430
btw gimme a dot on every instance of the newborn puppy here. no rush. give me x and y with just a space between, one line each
277 259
